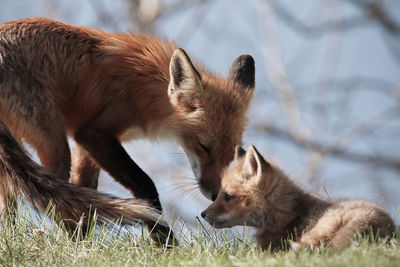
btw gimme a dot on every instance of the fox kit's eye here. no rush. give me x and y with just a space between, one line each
228 197
205 148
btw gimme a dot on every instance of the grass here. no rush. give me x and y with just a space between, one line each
22 245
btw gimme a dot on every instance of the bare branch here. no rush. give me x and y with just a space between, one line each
277 73
371 11
375 11
322 28
333 151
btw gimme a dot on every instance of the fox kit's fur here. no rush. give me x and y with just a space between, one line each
101 89
20 176
256 193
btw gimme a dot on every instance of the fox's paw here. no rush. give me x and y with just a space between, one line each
162 235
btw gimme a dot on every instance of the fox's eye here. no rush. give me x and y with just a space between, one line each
205 148
228 197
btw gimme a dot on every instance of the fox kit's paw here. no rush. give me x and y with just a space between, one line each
296 246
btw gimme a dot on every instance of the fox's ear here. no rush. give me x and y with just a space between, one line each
239 152
185 82
254 164
243 71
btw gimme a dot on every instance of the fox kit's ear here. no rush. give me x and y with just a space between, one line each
254 164
243 71
185 82
239 152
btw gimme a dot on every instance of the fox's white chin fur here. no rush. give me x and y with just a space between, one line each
223 221
220 225
194 163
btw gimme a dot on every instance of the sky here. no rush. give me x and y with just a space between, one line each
219 31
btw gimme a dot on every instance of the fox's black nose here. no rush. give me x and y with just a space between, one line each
203 214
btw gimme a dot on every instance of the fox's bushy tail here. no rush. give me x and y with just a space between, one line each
20 176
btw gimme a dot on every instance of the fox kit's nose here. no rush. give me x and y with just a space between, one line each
203 214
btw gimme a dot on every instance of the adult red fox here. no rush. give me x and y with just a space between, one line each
58 80
256 193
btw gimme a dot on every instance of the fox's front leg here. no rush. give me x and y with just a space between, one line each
109 154
107 151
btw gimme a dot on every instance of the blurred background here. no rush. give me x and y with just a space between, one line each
327 103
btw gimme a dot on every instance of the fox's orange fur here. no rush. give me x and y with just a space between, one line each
257 193
101 89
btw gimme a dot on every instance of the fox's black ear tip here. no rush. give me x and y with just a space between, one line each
239 152
246 59
243 71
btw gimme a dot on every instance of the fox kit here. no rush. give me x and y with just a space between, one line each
101 89
256 193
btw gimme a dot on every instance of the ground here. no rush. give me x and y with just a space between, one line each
25 244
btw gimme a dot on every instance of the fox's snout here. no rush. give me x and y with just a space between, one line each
218 219
205 214
212 220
